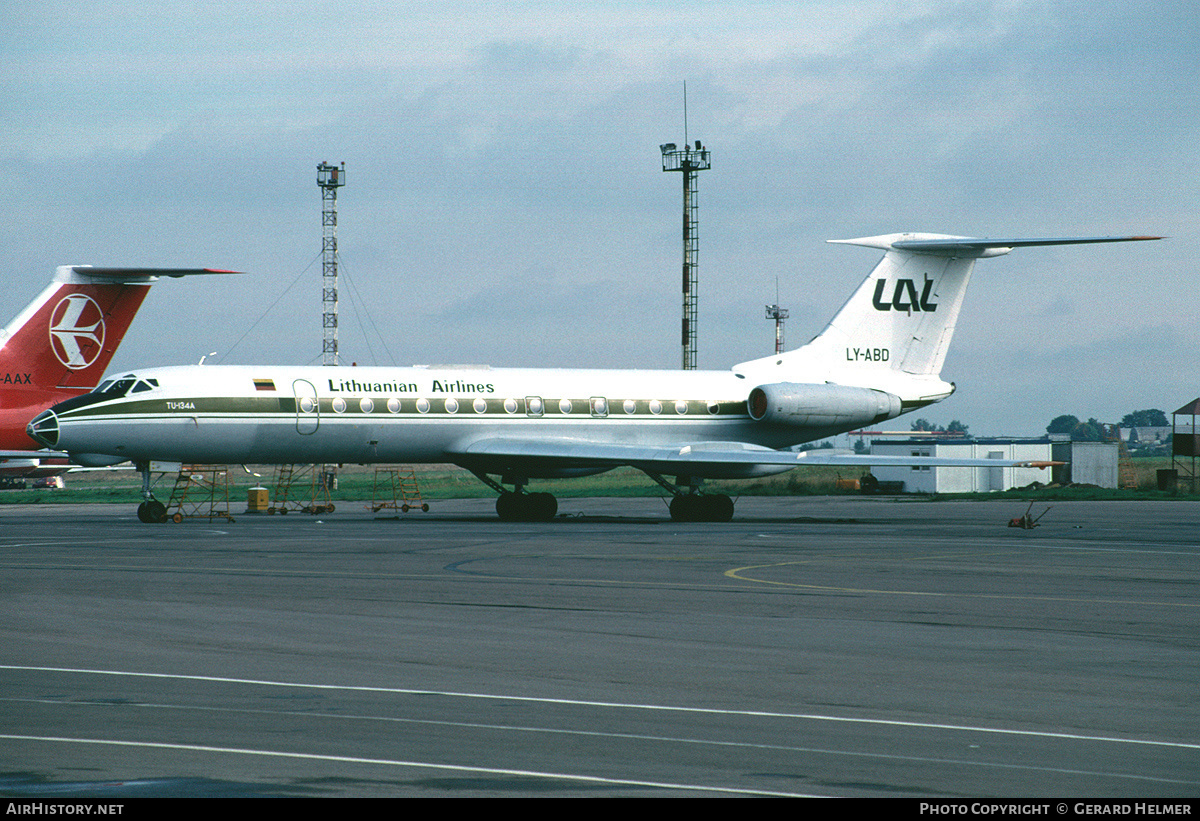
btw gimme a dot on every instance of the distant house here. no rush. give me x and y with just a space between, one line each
1143 437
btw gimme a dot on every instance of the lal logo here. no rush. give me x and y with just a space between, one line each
77 331
904 296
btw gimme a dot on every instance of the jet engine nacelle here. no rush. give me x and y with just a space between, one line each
823 406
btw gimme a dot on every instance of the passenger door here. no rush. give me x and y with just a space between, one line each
308 407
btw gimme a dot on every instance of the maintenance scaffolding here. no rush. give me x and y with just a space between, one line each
312 482
200 492
396 488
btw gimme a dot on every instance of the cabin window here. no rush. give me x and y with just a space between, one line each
655 407
681 407
510 405
630 406
393 405
339 405
714 408
451 405
564 405
422 406
480 405
599 406
366 405
534 406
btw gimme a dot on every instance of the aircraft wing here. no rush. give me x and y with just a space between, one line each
698 458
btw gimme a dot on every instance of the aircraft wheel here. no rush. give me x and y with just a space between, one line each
508 506
542 507
156 512
177 518
425 508
685 508
403 509
142 514
719 508
694 507
524 507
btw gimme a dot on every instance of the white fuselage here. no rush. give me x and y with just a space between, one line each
271 414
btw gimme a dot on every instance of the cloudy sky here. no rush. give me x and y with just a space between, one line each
506 203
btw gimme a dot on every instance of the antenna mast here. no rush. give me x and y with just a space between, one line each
330 178
688 161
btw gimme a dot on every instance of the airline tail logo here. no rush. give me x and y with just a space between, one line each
904 296
77 331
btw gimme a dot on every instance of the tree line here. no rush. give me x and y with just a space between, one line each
1094 431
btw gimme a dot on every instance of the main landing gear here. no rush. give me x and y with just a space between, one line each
526 507
688 501
690 504
518 505
701 507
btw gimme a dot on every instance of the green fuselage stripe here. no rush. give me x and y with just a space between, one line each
407 407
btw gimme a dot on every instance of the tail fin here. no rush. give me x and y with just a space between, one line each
61 343
903 316
67 336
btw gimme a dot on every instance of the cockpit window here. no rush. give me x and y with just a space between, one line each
145 385
116 388
121 386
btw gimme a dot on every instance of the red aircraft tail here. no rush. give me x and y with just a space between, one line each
61 343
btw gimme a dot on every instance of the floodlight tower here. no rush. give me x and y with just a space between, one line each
330 178
688 161
779 315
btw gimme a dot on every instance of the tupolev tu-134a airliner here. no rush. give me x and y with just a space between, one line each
880 356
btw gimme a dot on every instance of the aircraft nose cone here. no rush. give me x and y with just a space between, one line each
44 428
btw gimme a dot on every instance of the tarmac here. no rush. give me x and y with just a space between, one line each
815 646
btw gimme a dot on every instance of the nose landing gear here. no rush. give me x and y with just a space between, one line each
151 511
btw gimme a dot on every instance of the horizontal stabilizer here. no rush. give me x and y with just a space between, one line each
126 273
943 245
